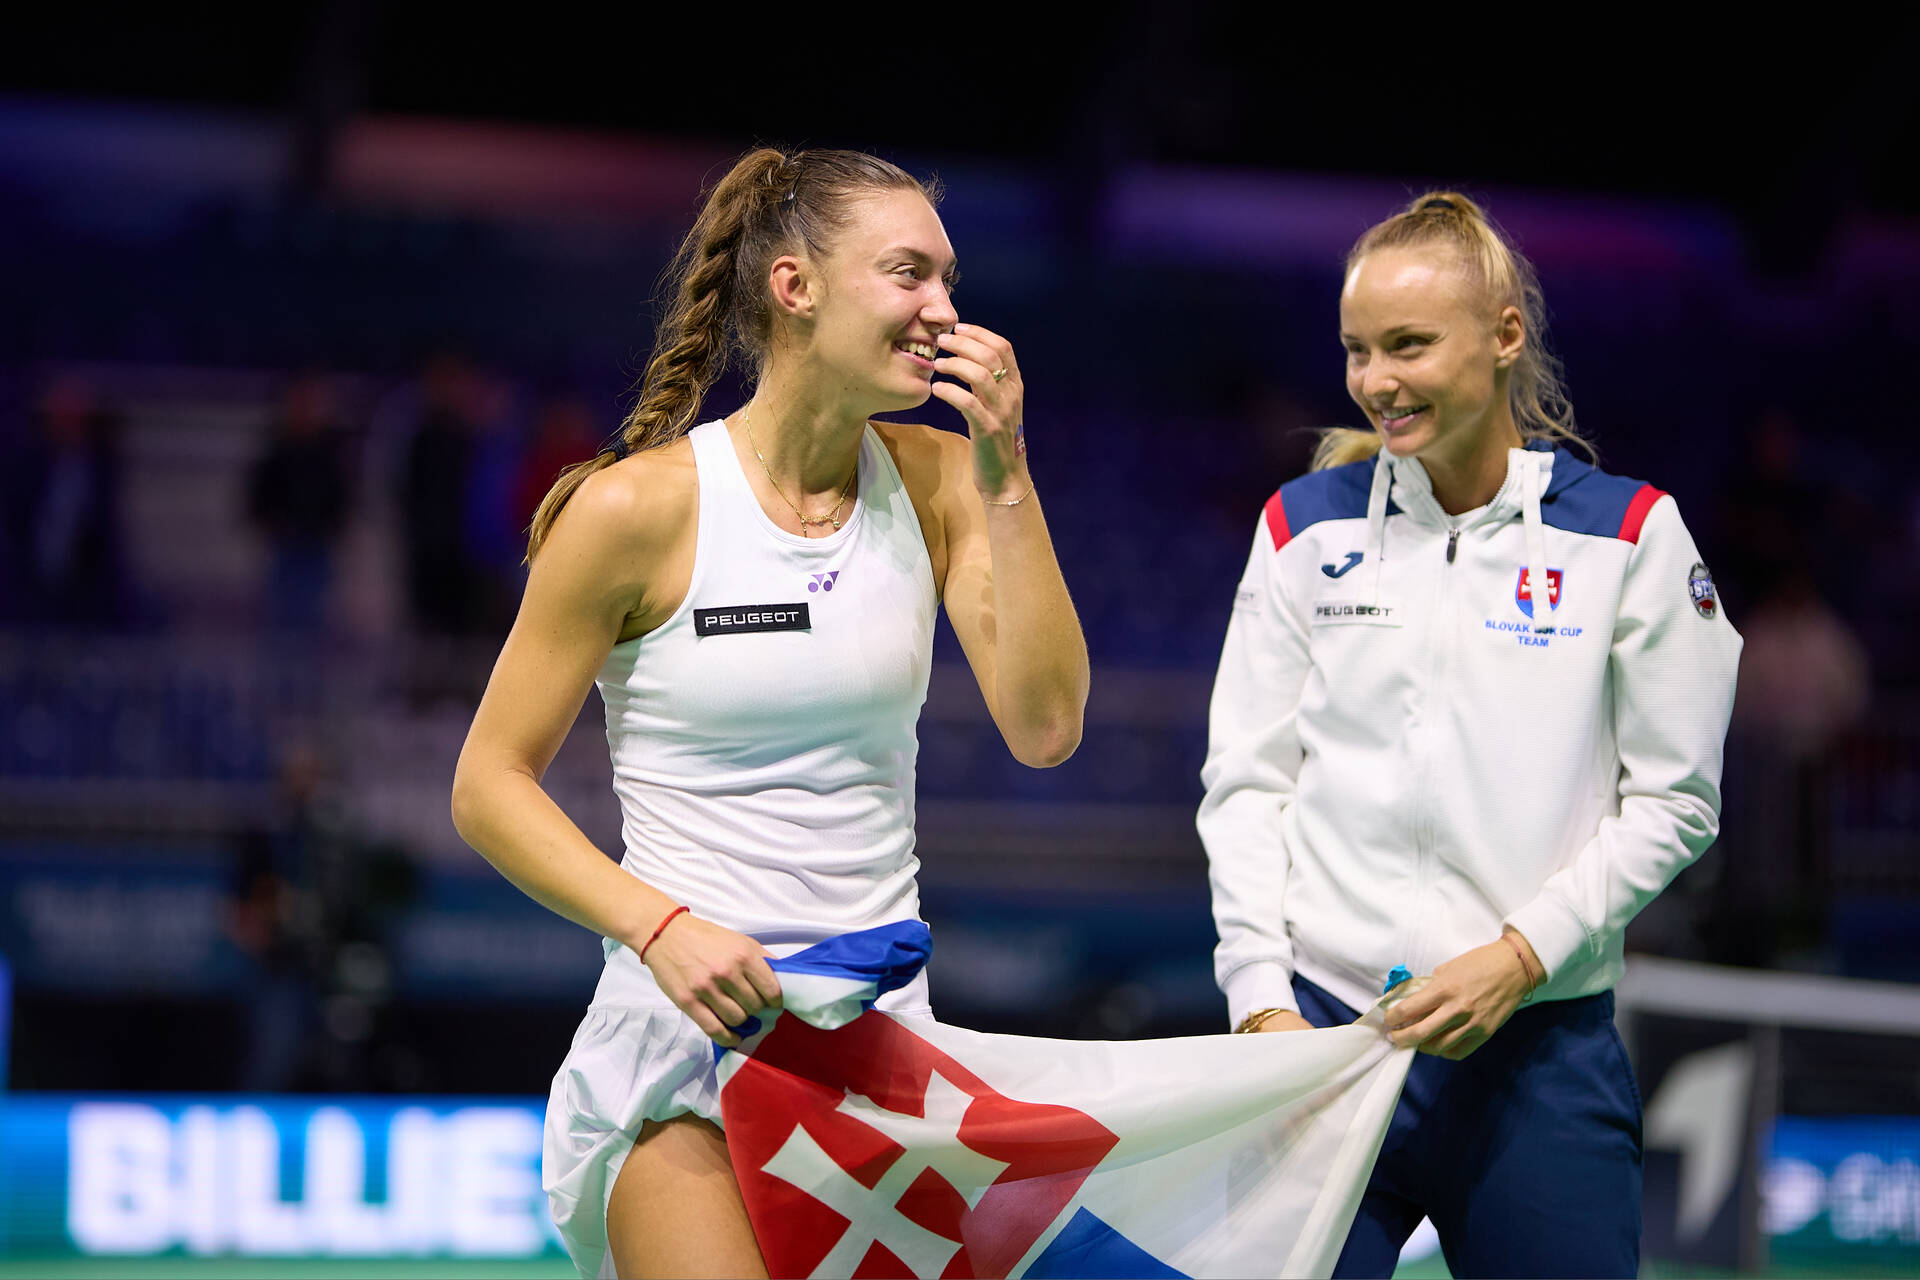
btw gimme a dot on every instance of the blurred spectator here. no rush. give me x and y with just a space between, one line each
309 905
1803 674
60 514
1270 440
1773 505
1897 565
1804 681
445 585
563 435
496 539
298 497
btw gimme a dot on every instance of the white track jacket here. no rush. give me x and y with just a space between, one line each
1408 748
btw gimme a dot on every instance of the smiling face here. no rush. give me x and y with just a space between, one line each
884 297
1427 357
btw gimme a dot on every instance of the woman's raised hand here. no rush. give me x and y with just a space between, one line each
992 402
717 977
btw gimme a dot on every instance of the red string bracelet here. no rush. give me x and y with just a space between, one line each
1521 956
669 920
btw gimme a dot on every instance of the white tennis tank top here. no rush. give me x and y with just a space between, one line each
763 737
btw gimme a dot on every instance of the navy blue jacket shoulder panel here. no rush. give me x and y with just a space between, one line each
1584 499
1338 493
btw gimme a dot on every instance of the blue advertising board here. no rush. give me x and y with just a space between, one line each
344 1177
1844 1189
272 1177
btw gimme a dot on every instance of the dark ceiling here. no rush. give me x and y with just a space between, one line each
1788 129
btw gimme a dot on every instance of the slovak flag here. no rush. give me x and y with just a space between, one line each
870 1144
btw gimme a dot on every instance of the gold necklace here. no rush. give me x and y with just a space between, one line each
832 517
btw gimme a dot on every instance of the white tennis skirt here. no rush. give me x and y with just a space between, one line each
635 1058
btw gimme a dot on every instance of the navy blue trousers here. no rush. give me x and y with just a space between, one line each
1526 1155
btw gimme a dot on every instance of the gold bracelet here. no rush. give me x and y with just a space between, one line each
1257 1019
1016 502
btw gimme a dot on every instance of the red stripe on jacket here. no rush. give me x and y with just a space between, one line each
1637 512
1277 521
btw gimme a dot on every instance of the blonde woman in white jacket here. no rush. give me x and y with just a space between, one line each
1419 755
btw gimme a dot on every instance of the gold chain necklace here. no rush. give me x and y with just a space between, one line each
832 517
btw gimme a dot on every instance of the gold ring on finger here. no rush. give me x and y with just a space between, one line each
999 374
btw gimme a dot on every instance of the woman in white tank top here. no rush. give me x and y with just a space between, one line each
755 597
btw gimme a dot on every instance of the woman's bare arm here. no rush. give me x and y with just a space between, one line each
610 566
1004 593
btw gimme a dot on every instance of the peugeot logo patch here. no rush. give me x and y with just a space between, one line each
738 619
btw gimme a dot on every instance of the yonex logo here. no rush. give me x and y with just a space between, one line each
822 581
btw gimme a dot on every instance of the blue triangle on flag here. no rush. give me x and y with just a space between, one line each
1090 1249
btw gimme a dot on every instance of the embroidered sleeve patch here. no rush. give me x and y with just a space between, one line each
1700 587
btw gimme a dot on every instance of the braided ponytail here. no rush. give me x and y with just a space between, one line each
768 204
1535 389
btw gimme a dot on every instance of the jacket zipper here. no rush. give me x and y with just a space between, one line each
1423 818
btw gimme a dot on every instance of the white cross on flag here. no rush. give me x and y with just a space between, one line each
867 1144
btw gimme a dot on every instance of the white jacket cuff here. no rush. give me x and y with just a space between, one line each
1264 984
1554 932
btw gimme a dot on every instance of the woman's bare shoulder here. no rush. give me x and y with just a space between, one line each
622 547
925 455
643 502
